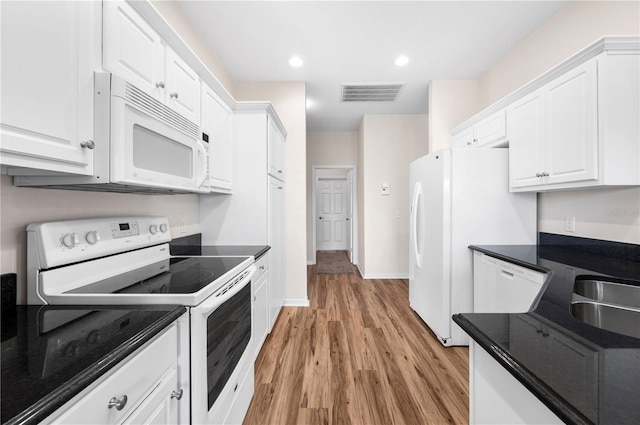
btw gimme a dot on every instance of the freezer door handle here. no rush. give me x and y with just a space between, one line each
417 197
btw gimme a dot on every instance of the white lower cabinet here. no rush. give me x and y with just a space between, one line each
276 240
261 322
502 287
144 388
496 397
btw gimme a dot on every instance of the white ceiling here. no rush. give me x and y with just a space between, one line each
358 41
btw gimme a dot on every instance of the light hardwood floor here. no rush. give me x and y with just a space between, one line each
357 355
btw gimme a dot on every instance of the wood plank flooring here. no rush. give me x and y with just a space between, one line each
357 355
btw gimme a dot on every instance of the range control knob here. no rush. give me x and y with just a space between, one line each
70 240
164 227
153 229
92 237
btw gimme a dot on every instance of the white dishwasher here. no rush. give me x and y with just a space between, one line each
503 287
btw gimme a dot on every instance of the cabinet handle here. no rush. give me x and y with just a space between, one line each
544 174
475 140
280 171
507 274
118 403
174 95
280 187
261 267
89 144
177 394
160 85
538 175
468 143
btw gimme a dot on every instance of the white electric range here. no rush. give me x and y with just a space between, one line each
126 261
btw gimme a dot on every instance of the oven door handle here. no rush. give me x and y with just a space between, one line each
210 305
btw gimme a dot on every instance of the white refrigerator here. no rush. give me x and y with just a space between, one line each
460 197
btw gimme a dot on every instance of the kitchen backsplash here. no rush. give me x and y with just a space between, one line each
619 250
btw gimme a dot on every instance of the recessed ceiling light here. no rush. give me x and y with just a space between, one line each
402 61
295 62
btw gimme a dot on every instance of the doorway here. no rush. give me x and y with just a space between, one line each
334 209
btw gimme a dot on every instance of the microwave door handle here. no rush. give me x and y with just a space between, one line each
210 305
202 154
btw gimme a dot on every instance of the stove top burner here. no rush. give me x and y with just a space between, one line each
176 275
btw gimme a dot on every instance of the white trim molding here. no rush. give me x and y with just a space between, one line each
382 275
386 276
296 302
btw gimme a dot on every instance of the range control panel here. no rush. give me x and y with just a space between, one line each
65 242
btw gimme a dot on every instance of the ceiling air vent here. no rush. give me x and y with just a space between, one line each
371 92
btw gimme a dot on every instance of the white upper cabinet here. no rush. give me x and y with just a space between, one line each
526 146
491 132
553 131
182 92
49 53
136 52
580 129
132 49
276 152
217 126
571 117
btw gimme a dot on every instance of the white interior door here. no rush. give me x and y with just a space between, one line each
332 214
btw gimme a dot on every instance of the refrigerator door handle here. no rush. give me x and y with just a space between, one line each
417 196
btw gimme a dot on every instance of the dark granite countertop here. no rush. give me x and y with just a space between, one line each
51 353
584 374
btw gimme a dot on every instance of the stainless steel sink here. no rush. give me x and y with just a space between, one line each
612 318
608 292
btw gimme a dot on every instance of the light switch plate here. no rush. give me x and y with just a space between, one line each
570 224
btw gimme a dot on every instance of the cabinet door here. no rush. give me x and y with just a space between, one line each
571 114
160 407
183 87
261 322
132 49
526 140
491 131
49 53
464 139
217 124
276 152
276 254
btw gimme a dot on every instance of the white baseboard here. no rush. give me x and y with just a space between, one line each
296 302
310 262
383 275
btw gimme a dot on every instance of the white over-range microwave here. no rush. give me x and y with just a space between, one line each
140 145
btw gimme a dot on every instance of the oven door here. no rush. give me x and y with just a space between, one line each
220 359
148 151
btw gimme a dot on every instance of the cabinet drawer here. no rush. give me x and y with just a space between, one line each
262 267
135 379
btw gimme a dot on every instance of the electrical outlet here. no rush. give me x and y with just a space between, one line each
183 225
570 224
